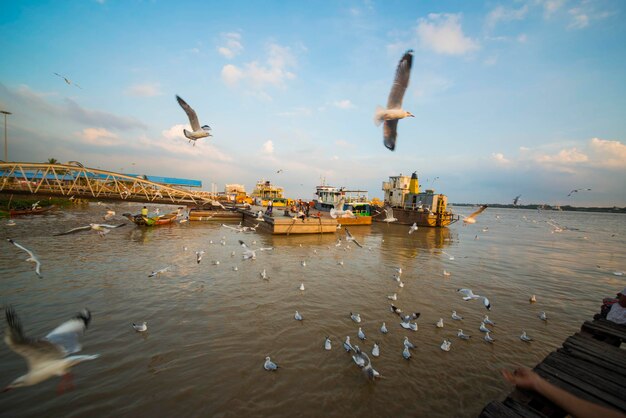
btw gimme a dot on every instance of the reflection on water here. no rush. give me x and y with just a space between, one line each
210 327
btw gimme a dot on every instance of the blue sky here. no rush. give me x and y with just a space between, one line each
510 97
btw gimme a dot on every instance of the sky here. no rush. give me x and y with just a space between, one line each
521 97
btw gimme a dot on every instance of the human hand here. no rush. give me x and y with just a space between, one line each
522 377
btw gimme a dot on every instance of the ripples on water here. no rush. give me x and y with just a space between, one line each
210 328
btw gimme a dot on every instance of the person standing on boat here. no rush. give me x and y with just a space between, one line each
144 211
270 207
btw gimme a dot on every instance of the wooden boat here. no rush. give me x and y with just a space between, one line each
355 201
215 215
286 225
36 211
409 205
152 221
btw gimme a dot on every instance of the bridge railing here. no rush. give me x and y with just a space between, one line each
68 180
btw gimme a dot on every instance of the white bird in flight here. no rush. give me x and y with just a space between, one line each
413 228
469 295
49 356
394 112
471 219
101 229
248 253
389 215
350 238
198 131
68 81
31 256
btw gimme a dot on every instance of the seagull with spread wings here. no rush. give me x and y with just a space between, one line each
68 81
49 356
101 229
578 190
394 112
198 131
471 219
31 256
350 238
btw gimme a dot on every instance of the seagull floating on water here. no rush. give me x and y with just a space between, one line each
394 112
383 328
199 256
157 272
456 317
406 353
376 350
297 316
361 334
31 256
327 345
469 295
488 321
355 317
358 356
462 335
445 345
440 323
393 297
483 328
488 338
49 356
408 343
446 273
302 286
542 316
347 346
140 327
198 131
395 309
264 275
525 337
533 299
269 365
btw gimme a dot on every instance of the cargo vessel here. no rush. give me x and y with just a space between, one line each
355 201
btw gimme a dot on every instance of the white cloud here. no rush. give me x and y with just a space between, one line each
499 158
442 34
276 70
579 19
522 38
608 154
231 74
343 104
551 6
98 136
231 45
563 157
502 14
144 90
268 147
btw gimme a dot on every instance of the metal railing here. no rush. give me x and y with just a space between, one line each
68 180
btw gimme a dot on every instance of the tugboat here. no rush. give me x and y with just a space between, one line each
409 205
355 203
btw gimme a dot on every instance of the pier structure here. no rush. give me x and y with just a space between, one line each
590 365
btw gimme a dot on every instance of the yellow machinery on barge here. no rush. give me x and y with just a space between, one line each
265 191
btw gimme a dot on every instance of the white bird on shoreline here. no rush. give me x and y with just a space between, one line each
49 356
198 131
31 256
394 112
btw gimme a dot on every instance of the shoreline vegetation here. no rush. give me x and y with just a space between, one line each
565 208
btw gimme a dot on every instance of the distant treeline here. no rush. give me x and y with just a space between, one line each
613 209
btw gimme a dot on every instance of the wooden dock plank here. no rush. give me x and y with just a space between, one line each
522 409
596 352
497 409
579 387
606 330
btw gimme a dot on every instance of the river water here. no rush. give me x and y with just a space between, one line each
211 327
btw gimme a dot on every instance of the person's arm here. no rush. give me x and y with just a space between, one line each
527 379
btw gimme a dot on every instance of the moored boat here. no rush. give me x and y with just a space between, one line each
355 209
409 205
152 220
32 211
265 191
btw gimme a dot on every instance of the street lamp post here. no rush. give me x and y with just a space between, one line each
6 147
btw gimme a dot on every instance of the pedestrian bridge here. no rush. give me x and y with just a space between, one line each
73 180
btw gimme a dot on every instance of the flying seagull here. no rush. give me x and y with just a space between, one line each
516 199
389 215
469 295
31 257
68 81
251 254
577 190
394 111
198 131
101 229
471 219
350 238
49 356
